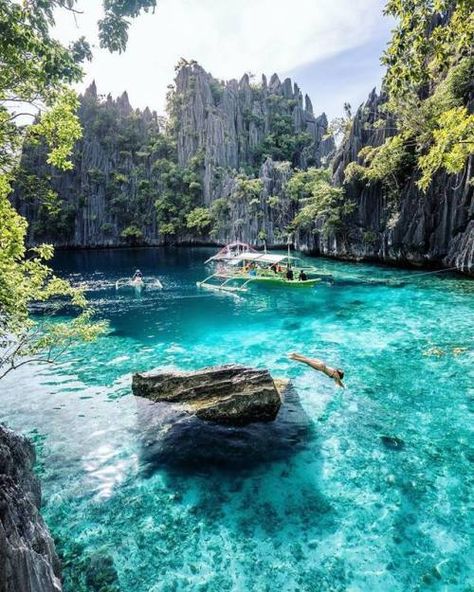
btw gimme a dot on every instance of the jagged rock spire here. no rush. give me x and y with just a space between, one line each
91 90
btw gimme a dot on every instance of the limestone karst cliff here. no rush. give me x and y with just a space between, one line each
106 192
28 560
217 169
233 124
136 177
400 224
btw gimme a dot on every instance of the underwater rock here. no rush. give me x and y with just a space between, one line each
101 575
230 394
174 440
392 442
28 560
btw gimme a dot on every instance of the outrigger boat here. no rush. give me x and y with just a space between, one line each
139 283
230 252
260 268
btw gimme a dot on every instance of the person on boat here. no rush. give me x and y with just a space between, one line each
274 267
335 373
302 277
289 274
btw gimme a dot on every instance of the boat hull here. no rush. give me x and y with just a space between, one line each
269 281
242 283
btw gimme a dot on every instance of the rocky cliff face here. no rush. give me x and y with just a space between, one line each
230 148
232 124
128 162
28 560
402 225
110 187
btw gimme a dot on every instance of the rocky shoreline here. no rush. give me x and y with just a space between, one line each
28 559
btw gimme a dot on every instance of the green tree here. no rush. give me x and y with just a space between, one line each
248 190
430 68
318 198
200 219
35 74
132 233
25 278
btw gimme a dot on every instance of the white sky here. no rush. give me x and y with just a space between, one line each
230 37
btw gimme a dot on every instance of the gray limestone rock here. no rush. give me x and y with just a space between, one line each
230 394
28 560
404 226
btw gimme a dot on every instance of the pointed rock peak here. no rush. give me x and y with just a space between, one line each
123 103
322 119
275 82
372 95
287 88
264 81
91 90
296 89
308 105
244 81
186 69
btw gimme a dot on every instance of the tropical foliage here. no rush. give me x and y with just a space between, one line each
36 71
429 86
318 198
199 220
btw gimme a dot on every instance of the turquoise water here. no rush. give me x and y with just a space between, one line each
321 500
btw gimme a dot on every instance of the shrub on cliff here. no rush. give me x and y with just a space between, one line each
429 94
318 198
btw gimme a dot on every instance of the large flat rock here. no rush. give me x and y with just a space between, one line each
231 394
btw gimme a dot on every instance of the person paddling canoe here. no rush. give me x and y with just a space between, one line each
335 373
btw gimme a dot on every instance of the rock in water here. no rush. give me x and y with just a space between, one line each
28 560
392 442
231 394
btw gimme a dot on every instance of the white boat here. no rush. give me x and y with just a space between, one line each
260 268
231 252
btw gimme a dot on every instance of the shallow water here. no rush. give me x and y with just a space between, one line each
363 489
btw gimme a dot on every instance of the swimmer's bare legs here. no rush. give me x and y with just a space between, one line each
318 365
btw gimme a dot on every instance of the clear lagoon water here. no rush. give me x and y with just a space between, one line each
364 489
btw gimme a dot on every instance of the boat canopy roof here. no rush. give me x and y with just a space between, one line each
231 250
260 258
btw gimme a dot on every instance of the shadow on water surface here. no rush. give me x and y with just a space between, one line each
174 440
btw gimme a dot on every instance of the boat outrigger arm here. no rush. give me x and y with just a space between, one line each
224 285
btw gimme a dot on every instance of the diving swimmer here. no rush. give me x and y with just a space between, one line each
335 373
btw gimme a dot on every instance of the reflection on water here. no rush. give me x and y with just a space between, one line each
364 489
